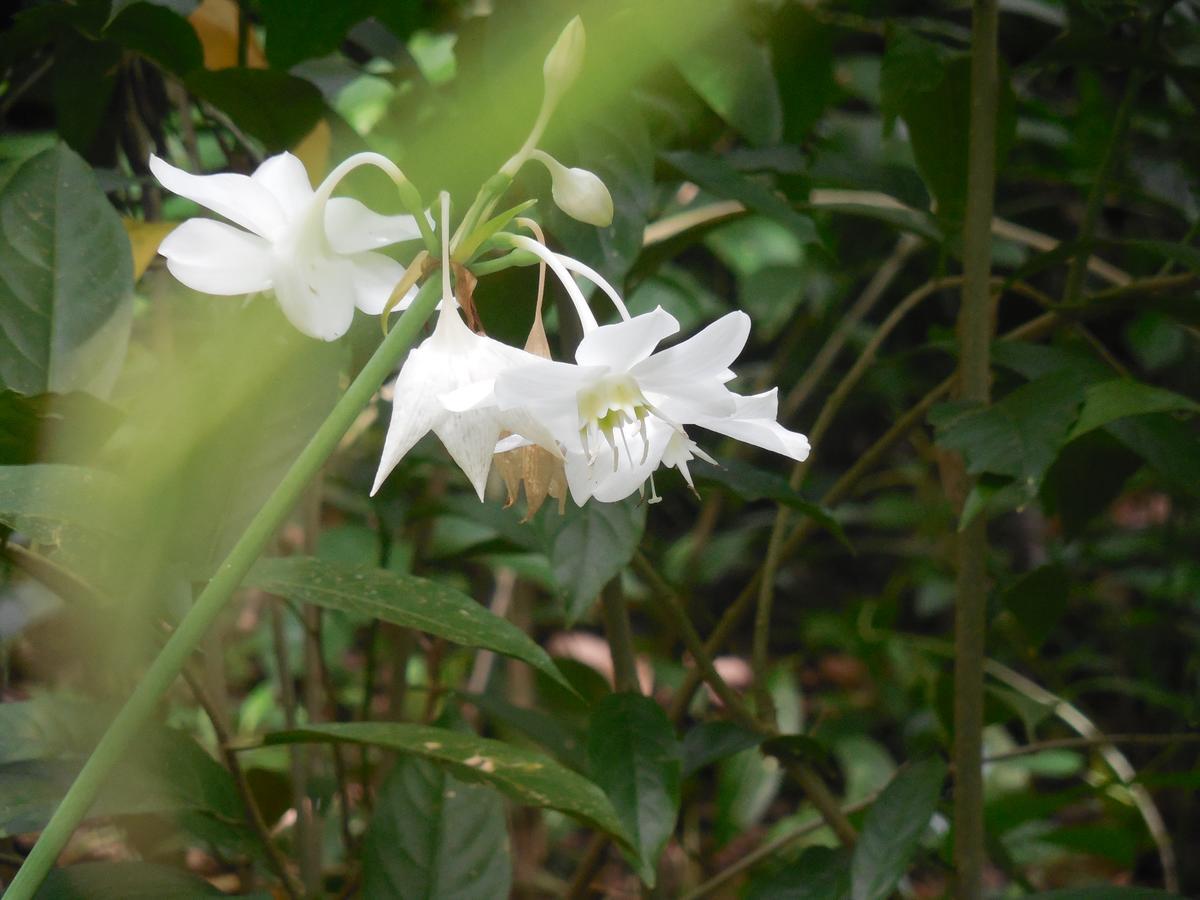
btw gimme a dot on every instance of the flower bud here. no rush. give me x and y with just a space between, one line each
564 60
577 192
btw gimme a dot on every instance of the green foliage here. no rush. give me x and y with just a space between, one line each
590 546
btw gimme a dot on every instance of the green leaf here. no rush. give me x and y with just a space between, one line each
718 177
1171 447
1087 477
555 734
711 741
893 829
911 66
636 759
48 426
1120 397
432 835
303 29
802 51
160 34
39 500
401 600
732 74
1105 892
124 881
1018 436
66 279
528 778
820 873
275 107
591 545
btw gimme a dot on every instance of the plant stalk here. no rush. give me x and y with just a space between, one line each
620 637
161 674
974 343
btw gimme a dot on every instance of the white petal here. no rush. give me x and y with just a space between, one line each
216 258
415 411
470 439
630 474
544 381
236 197
765 433
287 180
375 277
317 295
623 344
703 356
685 402
352 227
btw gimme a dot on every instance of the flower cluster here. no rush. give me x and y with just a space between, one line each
598 427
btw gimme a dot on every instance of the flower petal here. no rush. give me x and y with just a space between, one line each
287 180
623 344
216 258
631 473
317 295
375 277
470 439
415 410
542 381
703 356
352 227
238 198
749 425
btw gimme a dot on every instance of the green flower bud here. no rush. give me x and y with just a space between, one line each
564 60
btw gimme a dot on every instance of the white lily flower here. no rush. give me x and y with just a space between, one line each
314 250
621 411
453 358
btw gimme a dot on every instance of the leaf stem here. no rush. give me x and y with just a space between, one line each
161 674
620 636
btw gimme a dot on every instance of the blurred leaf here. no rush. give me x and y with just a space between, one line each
893 829
39 499
718 177
528 778
125 881
819 873
84 79
1104 892
404 600
43 426
732 73
554 733
302 29
802 51
67 286
591 545
710 741
911 66
158 33
1038 600
636 759
1171 447
1087 477
1121 397
276 108
432 835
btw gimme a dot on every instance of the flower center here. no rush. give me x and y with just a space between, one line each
606 407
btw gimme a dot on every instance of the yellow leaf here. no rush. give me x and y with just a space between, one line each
216 24
144 238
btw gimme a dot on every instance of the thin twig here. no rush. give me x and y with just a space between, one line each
1084 743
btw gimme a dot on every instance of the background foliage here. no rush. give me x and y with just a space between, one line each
349 728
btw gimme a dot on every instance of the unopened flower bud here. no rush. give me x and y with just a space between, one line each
564 60
577 192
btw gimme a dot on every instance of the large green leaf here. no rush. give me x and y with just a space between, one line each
158 33
1121 397
275 107
820 873
433 836
732 73
302 29
590 546
43 499
529 778
400 599
66 278
893 829
125 881
718 177
635 757
1038 600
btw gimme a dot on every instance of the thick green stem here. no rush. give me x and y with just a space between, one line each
620 636
140 707
974 341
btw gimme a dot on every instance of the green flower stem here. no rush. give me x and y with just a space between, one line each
141 705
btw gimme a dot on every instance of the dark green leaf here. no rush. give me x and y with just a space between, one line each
732 73
590 545
400 599
432 835
718 177
51 427
1121 397
275 107
911 66
893 829
528 778
1171 447
1105 892
124 881
1087 477
802 51
159 34
636 759
66 286
84 80
553 733
302 29
711 741
820 873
